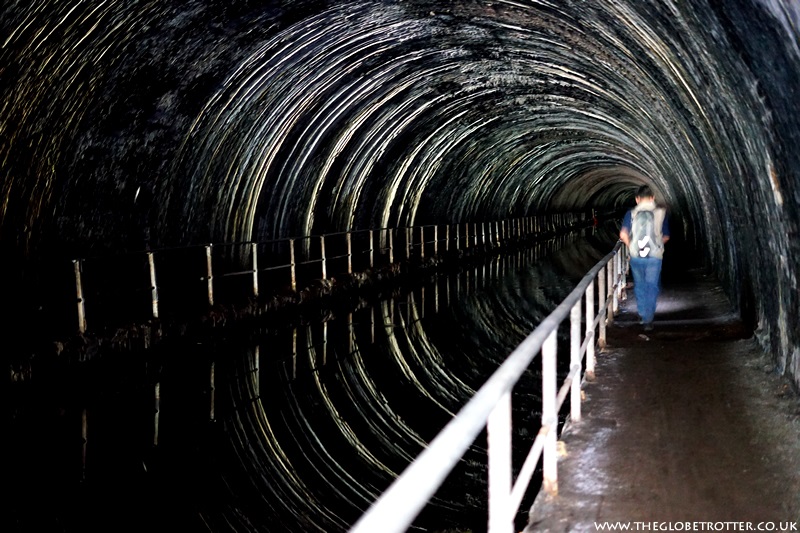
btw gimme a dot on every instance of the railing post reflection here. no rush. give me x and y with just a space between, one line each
391 248
323 258
350 334
84 441
325 343
294 353
436 296
257 369
212 393
156 411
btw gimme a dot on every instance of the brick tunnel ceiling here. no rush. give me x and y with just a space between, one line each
212 121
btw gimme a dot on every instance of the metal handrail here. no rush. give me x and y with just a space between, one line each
490 408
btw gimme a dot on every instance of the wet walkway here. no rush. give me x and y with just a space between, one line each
686 423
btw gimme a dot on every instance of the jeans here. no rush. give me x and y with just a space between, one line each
646 285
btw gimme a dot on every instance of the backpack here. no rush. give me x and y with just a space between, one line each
646 239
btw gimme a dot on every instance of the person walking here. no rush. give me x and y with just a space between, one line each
645 230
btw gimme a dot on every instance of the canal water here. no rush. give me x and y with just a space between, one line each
288 427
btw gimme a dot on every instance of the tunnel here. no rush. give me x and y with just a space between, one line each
130 126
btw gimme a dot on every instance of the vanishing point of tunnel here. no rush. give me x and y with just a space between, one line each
134 126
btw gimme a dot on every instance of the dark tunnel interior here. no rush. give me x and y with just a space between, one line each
128 125
133 126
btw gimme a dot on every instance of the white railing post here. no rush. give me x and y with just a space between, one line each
549 415
436 240
422 242
498 440
602 297
575 361
590 333
391 247
615 299
610 291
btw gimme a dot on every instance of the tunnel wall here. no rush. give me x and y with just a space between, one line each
128 126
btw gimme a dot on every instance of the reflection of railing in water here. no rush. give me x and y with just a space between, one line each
490 408
310 348
139 286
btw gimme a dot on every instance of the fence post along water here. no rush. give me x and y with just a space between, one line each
490 408
190 274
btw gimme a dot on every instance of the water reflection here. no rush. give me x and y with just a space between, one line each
298 427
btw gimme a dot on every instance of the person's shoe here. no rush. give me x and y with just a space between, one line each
648 326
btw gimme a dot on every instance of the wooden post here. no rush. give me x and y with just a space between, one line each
292 265
153 286
371 250
209 276
322 253
79 293
254 252
349 253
